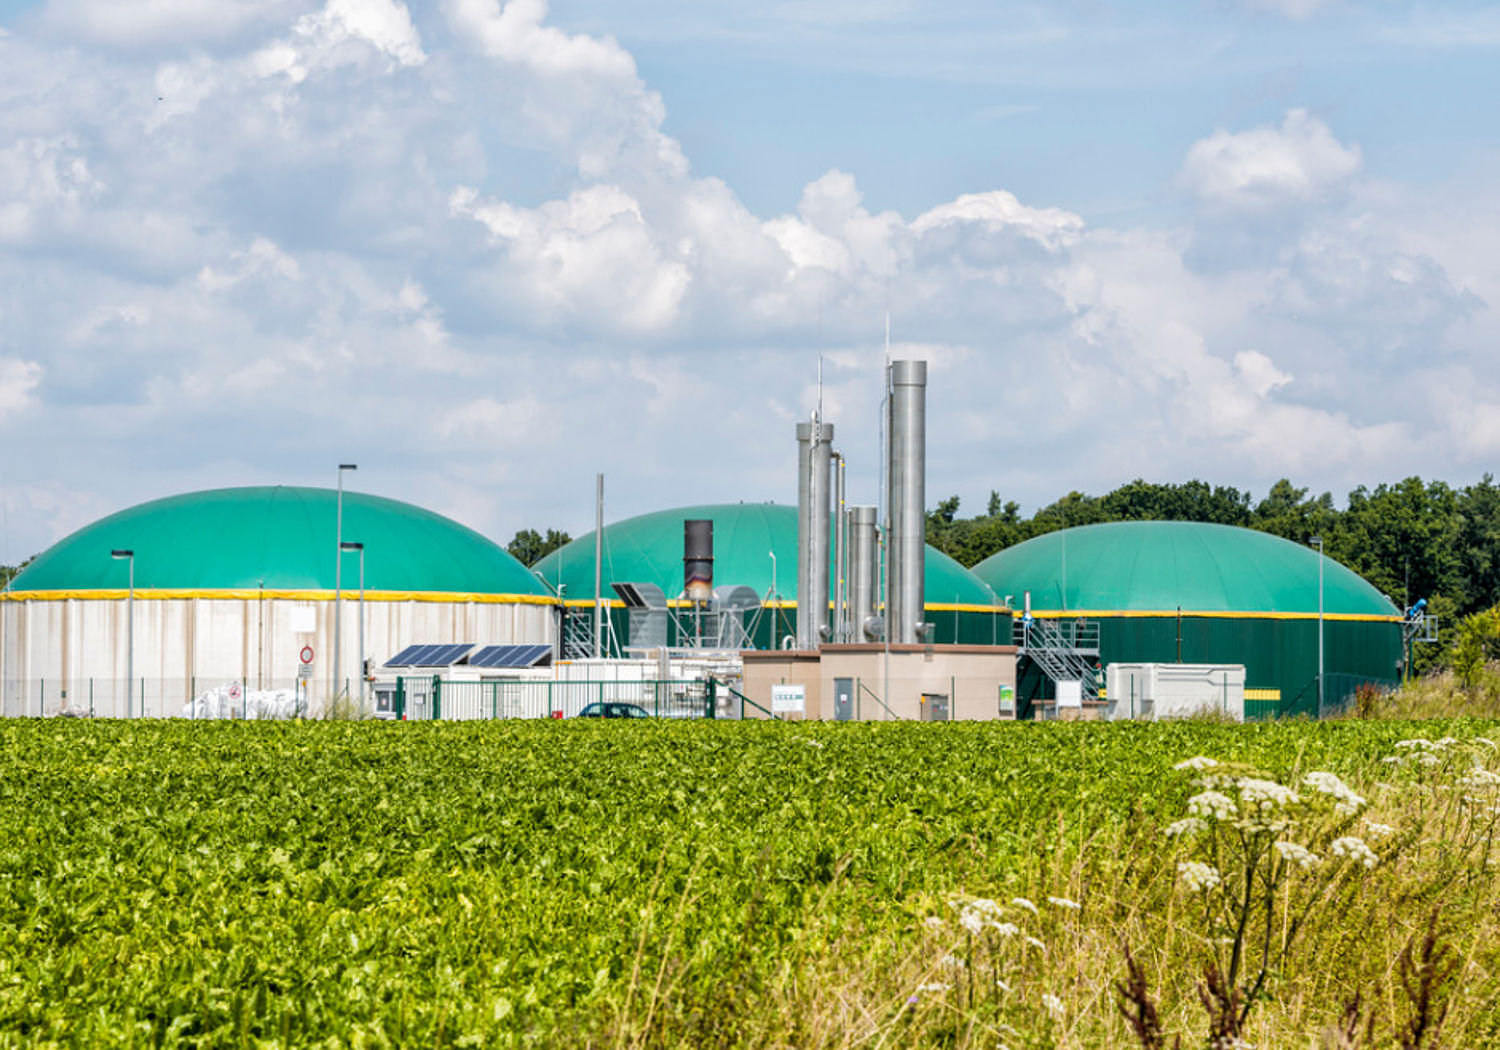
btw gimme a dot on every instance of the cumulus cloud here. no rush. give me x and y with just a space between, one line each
462 254
1266 168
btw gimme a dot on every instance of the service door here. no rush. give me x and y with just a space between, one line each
843 699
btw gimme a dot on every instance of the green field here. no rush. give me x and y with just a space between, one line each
708 884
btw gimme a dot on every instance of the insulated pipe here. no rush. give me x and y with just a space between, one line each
862 555
813 454
905 595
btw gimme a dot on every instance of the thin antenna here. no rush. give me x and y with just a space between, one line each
820 388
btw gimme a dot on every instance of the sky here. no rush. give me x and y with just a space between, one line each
486 249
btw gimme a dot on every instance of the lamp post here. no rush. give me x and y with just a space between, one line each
338 564
352 546
129 556
1317 541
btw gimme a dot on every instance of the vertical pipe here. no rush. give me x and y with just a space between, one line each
862 556
598 567
908 458
840 554
361 629
813 462
338 578
130 641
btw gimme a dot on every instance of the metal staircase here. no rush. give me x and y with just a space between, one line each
1064 650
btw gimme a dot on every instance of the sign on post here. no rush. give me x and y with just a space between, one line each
305 668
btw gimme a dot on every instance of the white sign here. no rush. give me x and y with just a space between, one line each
304 621
1069 694
788 699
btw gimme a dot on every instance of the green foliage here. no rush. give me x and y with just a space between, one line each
529 546
10 572
1475 645
523 883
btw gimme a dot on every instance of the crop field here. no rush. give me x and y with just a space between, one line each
282 884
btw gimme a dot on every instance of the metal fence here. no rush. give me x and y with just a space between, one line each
160 698
424 698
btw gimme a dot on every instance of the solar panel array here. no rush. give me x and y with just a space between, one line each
511 656
430 655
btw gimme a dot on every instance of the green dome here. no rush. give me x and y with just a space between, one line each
1158 566
648 549
277 538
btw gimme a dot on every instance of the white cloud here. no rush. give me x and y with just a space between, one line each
142 23
591 258
18 382
334 237
1268 168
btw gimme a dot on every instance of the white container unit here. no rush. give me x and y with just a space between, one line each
1156 691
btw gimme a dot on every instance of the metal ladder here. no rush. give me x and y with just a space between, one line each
1064 650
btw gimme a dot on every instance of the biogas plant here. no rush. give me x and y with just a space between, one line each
284 602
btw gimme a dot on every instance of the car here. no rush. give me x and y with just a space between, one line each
613 709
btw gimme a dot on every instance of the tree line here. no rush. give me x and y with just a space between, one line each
1412 539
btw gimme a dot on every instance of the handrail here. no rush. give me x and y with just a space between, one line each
894 717
746 700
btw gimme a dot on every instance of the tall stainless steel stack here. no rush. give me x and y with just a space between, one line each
856 610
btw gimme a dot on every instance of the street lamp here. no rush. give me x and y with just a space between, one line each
349 545
129 557
338 564
1317 541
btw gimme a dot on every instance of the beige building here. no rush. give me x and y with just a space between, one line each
871 683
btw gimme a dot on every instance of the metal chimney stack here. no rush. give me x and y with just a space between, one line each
698 559
814 446
905 596
861 572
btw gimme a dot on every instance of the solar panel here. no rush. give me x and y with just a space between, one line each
511 656
444 655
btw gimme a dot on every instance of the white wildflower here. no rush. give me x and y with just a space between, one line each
1001 985
1480 778
934 986
1267 796
1199 876
1391 759
1064 902
1035 943
1446 741
1005 929
1354 848
952 962
1418 744
1301 856
971 921
1213 805
1486 741
1054 1005
1185 826
1378 831
1426 758
1024 904
1197 764
932 922
1346 802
